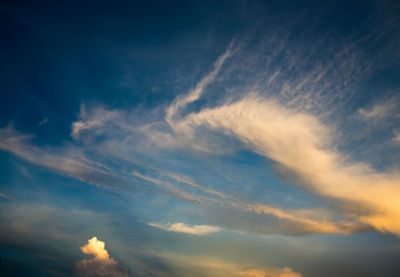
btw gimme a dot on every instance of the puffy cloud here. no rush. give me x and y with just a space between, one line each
101 265
302 148
96 248
270 272
179 227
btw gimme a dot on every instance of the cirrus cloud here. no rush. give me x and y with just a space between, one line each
180 227
302 147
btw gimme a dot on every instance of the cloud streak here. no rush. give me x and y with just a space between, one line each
69 161
299 221
194 94
5 196
179 227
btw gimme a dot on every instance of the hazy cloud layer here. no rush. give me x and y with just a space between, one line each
270 272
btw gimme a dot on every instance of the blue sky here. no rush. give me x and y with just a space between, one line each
211 138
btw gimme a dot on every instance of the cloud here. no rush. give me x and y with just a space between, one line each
302 148
96 248
101 265
43 121
380 111
304 221
96 118
28 220
205 265
179 227
270 272
187 180
297 221
5 196
194 94
396 137
167 187
67 160
74 163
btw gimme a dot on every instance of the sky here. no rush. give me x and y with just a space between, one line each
200 138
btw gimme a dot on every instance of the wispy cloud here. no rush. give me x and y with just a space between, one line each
43 121
302 146
5 196
180 227
194 94
189 181
302 221
381 110
65 160
167 187
98 117
282 126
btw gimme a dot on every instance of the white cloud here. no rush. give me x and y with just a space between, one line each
302 147
179 227
380 111
193 95
96 118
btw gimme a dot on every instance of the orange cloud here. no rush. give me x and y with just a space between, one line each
101 265
96 248
301 146
270 272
